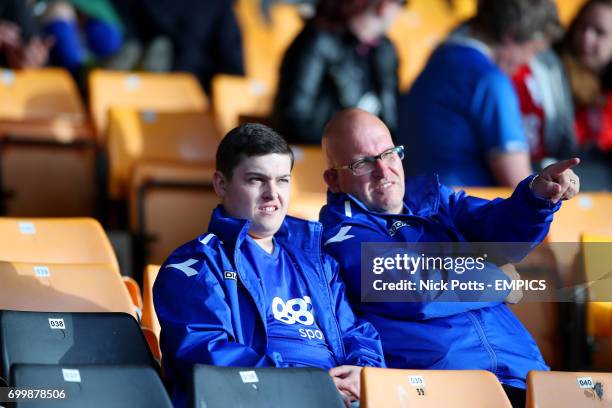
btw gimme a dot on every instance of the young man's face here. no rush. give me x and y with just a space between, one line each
258 191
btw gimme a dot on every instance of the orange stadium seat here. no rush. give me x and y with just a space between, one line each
235 97
55 241
47 146
597 256
149 136
160 189
391 388
149 317
587 212
39 94
567 10
48 169
464 9
264 43
63 288
416 32
488 193
146 91
553 389
308 189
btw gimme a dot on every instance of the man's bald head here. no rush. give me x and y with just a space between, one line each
352 135
347 128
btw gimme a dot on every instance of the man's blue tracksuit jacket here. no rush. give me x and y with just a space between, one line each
442 335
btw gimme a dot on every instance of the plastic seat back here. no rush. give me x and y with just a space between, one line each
554 389
63 288
144 90
71 338
55 240
221 387
93 386
392 388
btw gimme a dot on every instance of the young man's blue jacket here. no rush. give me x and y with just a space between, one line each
212 312
442 335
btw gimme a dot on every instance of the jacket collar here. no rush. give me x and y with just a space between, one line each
293 232
422 197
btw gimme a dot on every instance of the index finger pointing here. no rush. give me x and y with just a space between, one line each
559 167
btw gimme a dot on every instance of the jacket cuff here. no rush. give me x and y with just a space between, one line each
524 191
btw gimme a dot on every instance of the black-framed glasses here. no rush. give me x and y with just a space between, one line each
367 164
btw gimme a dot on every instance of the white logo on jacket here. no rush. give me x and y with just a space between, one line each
296 311
396 226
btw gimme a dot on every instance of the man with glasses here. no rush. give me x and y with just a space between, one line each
369 201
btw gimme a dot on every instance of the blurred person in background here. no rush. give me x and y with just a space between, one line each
85 33
199 36
461 117
546 104
21 45
586 52
341 59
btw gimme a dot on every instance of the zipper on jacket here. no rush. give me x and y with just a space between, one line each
319 264
484 341
261 312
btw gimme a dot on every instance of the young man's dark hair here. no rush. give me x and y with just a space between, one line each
251 139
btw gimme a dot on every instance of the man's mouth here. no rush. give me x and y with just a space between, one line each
268 209
383 186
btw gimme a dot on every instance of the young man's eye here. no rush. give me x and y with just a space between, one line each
284 180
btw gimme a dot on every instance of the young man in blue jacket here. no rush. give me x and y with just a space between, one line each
369 201
256 290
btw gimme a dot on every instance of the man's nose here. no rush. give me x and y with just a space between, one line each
270 191
381 169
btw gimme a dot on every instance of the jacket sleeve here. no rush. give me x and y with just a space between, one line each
347 252
361 340
520 218
195 313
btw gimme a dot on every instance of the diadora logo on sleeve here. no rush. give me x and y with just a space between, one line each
298 310
230 275
396 226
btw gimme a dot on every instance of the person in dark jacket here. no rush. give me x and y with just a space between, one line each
341 59
255 290
204 34
369 201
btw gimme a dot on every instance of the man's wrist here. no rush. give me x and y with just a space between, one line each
536 195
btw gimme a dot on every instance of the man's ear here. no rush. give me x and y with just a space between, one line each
331 179
219 183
